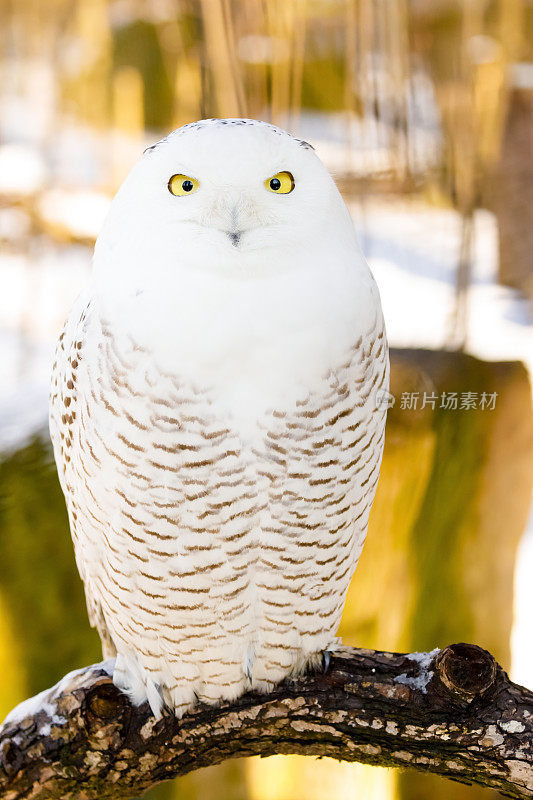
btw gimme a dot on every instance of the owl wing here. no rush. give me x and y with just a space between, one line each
64 422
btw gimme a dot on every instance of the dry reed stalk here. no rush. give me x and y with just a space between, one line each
221 58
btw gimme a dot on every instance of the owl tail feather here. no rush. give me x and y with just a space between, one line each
133 680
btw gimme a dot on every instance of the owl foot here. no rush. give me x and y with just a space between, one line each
325 656
318 663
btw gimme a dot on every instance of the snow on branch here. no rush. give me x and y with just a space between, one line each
453 712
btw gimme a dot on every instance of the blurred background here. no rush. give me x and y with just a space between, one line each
423 112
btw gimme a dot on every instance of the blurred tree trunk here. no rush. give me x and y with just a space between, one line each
470 520
510 193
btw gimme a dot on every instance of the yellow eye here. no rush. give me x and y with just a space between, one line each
280 183
180 185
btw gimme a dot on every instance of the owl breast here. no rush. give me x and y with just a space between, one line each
216 555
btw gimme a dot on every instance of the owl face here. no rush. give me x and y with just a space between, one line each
231 196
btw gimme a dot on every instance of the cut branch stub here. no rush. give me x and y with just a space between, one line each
466 670
106 702
11 756
107 712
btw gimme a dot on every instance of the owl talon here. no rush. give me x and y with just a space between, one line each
326 658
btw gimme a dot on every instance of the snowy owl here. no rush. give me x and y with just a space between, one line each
215 415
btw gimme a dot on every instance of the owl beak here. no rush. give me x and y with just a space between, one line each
232 218
234 234
235 237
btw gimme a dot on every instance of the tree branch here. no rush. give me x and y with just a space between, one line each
453 712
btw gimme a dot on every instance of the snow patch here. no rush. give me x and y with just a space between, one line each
80 213
23 171
43 703
425 675
28 708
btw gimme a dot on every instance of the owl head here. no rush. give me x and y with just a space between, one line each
235 197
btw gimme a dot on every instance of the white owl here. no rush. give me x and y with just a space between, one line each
214 415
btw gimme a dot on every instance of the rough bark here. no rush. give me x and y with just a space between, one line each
453 712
